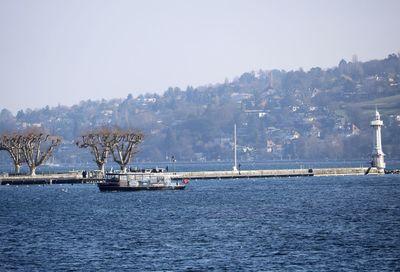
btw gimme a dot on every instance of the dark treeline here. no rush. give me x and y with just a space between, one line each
315 114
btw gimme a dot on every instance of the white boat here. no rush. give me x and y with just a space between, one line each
133 181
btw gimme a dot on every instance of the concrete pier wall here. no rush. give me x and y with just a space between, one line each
63 178
344 171
241 174
275 173
76 177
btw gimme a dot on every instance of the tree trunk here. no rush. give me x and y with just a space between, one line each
123 168
33 171
17 168
101 167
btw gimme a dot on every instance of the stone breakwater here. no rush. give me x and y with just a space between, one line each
76 177
276 173
59 178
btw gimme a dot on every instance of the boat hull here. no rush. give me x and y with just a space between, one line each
104 187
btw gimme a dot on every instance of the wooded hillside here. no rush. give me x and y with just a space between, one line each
315 114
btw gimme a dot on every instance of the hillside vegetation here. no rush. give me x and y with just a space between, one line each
318 114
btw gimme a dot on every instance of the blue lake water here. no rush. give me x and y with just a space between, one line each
279 224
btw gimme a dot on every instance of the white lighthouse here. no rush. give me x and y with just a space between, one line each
377 153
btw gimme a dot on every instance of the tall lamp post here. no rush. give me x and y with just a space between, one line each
234 149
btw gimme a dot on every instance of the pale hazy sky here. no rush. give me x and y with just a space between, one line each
64 51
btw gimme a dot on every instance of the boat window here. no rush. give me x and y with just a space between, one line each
112 178
160 179
123 178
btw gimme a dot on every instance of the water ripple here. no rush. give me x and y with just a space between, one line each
302 224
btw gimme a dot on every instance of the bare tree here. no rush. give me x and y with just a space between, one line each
12 143
120 143
100 142
126 146
37 147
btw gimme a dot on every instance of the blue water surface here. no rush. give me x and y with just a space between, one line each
279 224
